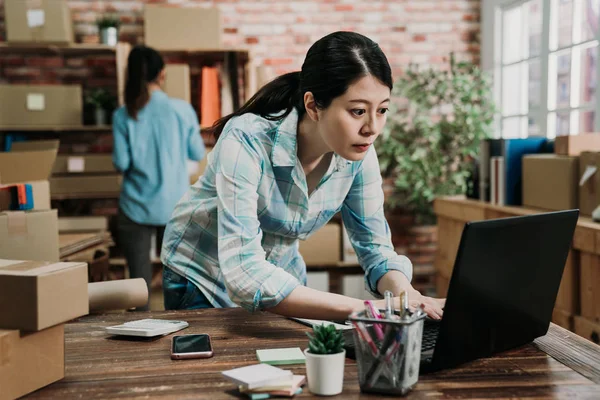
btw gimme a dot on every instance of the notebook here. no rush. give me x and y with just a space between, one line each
257 375
292 355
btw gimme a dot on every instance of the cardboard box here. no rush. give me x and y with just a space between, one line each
550 181
590 286
324 246
36 295
29 235
182 28
47 21
23 106
587 329
82 224
88 163
574 145
589 182
30 162
30 360
562 318
88 184
177 81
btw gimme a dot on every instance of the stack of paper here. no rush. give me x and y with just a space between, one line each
292 355
262 381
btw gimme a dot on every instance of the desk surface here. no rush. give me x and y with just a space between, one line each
560 364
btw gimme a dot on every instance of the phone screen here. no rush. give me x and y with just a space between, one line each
191 343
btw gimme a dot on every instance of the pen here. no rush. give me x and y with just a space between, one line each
362 332
373 313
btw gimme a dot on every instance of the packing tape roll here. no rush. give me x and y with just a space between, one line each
117 295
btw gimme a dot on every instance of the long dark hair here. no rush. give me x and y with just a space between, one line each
143 66
332 64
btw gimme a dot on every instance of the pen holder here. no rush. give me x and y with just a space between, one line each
388 352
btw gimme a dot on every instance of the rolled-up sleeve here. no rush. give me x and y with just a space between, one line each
121 150
368 230
251 281
195 144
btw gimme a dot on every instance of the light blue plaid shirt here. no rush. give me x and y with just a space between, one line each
235 233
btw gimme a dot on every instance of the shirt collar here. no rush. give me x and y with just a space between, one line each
285 144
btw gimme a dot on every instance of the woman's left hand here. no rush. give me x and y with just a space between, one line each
432 306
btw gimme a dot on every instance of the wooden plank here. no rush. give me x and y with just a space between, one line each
584 239
589 282
568 292
563 319
587 329
441 285
449 234
459 209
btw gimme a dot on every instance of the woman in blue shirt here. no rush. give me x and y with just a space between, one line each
295 154
154 136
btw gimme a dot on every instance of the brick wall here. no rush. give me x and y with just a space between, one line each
278 32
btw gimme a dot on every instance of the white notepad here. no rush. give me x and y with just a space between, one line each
258 375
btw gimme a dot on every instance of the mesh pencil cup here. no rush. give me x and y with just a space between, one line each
388 352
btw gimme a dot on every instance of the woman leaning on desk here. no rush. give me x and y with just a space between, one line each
154 135
295 154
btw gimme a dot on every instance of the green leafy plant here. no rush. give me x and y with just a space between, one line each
325 340
108 21
433 134
100 98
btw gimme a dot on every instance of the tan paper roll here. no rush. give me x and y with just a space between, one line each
117 295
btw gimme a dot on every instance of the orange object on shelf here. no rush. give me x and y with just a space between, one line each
210 99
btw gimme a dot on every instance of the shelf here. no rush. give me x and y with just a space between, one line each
80 128
82 196
55 49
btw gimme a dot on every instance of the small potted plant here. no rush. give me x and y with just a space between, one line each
325 357
100 101
108 29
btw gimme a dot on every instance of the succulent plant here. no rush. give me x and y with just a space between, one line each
325 339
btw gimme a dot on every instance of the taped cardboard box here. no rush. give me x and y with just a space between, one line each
29 235
182 28
46 21
23 106
30 360
36 295
324 246
82 224
88 184
589 182
30 162
574 145
550 181
177 82
88 163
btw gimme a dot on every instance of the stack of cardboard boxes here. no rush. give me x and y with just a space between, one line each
570 179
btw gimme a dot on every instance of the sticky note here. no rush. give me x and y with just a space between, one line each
292 355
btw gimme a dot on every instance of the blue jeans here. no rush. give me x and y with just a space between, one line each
181 294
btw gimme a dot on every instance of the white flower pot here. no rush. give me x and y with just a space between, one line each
325 373
109 36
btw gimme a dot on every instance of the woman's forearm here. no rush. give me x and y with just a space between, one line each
394 281
304 302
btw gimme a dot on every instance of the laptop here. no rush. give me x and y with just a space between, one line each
502 290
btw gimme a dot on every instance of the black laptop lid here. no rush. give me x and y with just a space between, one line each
504 285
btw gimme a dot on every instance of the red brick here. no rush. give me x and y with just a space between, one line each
344 7
230 30
251 40
278 61
50 62
419 38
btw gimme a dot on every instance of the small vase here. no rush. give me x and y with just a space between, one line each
109 36
100 116
325 373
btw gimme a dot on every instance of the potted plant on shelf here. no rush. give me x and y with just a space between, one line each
108 29
102 103
325 357
432 136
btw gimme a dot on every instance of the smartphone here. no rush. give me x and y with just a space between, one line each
191 346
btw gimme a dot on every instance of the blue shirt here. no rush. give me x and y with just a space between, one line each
152 153
235 233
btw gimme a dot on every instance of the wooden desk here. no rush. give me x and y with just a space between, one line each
560 364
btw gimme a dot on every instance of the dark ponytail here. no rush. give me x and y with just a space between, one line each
144 64
332 64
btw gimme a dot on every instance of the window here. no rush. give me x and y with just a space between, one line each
544 58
